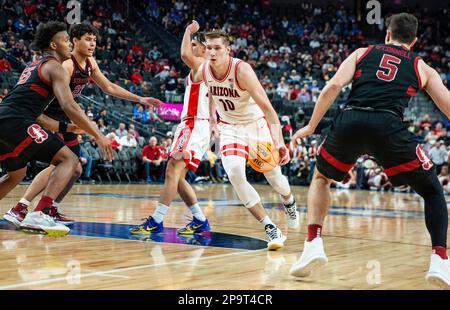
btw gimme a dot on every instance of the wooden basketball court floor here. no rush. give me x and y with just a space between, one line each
373 240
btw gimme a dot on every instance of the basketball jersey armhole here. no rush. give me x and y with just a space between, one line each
191 80
43 79
416 69
204 72
369 48
236 75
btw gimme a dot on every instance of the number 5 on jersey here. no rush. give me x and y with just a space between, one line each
388 62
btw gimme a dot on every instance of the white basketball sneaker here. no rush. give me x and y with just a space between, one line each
439 272
292 215
313 257
42 223
276 237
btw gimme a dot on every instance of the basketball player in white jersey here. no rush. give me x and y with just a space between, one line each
191 141
246 117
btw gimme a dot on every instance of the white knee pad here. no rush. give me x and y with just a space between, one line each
235 168
278 181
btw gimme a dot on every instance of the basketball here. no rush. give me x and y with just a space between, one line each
263 156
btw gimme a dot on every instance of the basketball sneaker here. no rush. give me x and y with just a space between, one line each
276 237
17 214
38 221
195 227
313 256
292 215
60 218
148 227
439 272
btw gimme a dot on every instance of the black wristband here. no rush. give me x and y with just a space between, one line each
62 127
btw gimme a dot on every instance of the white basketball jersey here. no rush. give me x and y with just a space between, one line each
234 105
196 104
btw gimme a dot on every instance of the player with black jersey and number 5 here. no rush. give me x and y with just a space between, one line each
384 77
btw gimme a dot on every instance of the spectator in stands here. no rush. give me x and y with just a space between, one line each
294 77
438 155
114 141
103 114
139 114
85 160
425 122
101 126
304 95
121 131
154 54
129 140
152 116
164 74
438 132
136 133
151 157
283 88
270 91
171 83
5 66
294 92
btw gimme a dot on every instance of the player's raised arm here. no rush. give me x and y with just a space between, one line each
328 95
187 55
433 85
60 83
249 81
115 90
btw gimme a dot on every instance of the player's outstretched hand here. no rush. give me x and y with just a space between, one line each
105 144
302 133
151 102
193 27
284 155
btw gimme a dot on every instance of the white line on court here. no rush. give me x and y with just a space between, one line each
108 272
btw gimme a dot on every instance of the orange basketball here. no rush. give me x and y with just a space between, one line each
263 156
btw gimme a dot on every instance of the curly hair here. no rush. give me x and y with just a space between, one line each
78 30
45 33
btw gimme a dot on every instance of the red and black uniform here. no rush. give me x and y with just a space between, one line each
386 77
21 138
80 77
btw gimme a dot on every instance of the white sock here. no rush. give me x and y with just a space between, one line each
197 212
56 204
289 201
24 201
160 212
266 220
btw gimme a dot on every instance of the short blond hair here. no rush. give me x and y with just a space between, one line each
218 34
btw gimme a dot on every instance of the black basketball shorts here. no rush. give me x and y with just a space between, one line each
379 134
22 140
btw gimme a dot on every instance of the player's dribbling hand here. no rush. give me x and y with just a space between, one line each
193 27
284 155
150 102
302 133
105 144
